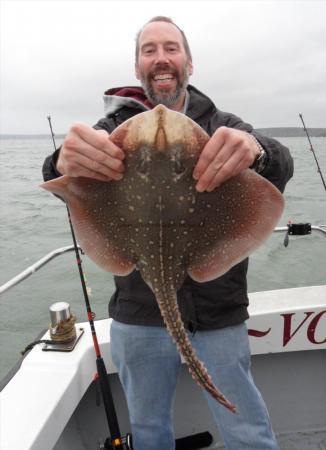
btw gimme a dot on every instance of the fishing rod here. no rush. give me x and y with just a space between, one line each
313 151
115 441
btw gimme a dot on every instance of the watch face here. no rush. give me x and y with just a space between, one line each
260 161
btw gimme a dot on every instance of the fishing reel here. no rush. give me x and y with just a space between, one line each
192 442
123 443
296 229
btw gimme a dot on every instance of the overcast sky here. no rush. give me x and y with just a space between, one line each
262 60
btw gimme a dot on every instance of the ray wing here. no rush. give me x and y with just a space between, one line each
93 211
233 221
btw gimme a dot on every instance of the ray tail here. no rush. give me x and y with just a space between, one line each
167 302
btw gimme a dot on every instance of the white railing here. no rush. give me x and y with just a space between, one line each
321 229
35 267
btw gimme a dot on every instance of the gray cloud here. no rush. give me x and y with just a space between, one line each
262 60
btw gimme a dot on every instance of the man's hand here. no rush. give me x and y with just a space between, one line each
90 153
226 154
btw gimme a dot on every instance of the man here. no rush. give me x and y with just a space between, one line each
213 312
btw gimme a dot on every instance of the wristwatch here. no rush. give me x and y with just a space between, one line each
260 162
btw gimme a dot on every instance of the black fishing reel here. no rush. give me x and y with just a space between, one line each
296 229
193 442
123 443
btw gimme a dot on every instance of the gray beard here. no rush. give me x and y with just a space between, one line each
163 99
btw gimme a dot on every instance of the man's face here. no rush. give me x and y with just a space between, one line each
163 66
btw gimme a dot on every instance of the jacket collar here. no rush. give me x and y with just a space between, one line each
197 104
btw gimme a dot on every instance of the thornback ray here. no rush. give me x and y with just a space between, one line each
154 220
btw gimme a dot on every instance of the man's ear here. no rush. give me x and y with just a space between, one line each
190 67
137 72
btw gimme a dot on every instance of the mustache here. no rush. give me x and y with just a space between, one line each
163 68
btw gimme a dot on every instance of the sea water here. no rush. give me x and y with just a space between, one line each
33 223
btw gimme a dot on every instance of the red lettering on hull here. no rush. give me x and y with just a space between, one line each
312 319
312 329
287 336
257 333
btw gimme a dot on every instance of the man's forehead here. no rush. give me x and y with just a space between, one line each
160 31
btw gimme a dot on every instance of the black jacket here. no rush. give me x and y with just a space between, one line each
215 304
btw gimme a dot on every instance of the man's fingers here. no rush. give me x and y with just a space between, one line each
84 167
209 153
217 172
228 171
226 154
87 173
96 157
204 161
210 175
223 165
97 138
86 152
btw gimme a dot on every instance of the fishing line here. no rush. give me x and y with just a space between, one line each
116 441
313 151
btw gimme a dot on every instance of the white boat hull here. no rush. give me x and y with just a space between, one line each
50 401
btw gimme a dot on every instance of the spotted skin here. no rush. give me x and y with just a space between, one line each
155 220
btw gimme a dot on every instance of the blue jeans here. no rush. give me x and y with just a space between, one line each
147 361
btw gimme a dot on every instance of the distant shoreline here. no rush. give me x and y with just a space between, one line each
291 132
269 132
30 136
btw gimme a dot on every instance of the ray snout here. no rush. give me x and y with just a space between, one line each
160 130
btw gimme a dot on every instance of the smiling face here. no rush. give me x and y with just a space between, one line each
163 66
